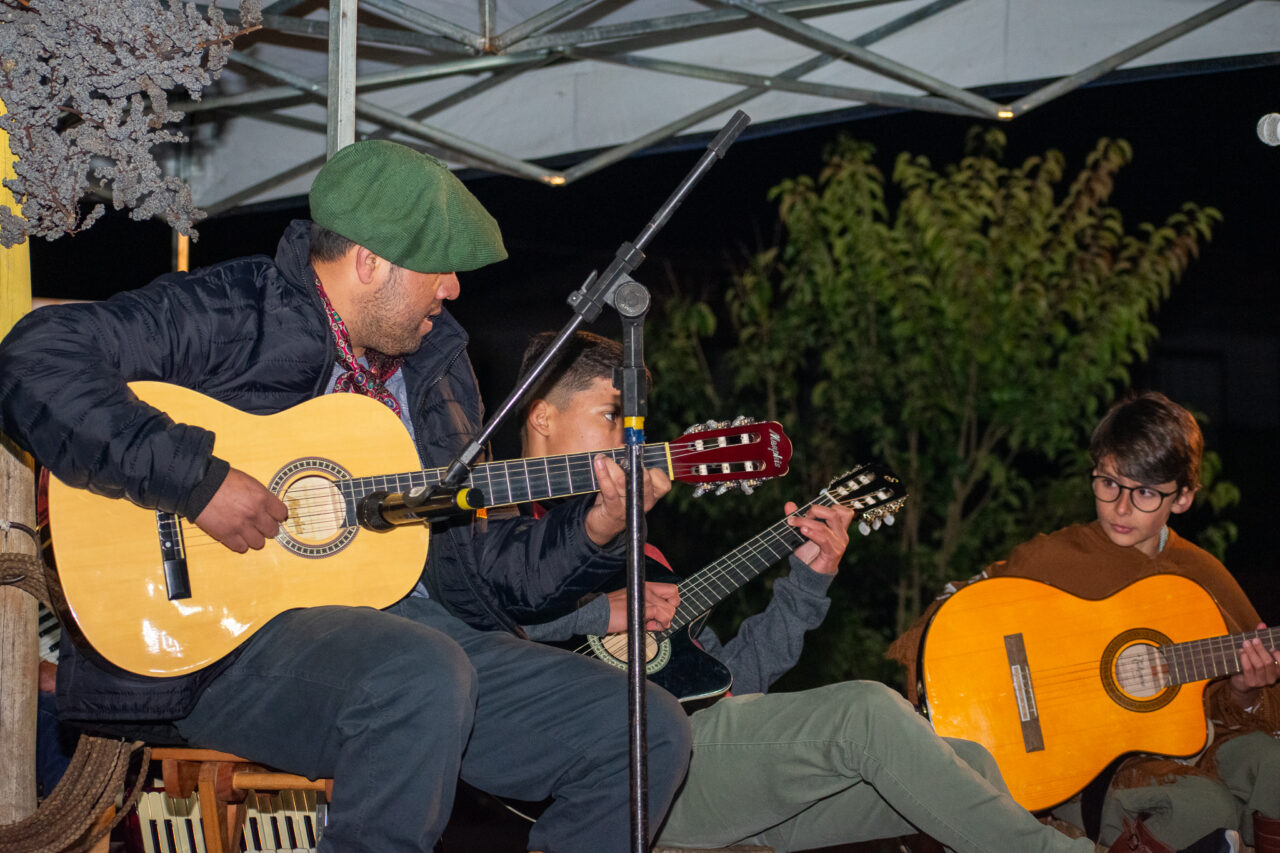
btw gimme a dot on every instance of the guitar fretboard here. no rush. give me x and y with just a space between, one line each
1214 657
509 482
868 489
716 581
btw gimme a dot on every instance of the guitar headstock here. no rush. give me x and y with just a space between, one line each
719 456
873 491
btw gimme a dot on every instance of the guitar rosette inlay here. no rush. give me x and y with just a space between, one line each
1135 673
612 649
317 524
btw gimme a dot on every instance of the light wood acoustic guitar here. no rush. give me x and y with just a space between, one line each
155 595
673 659
1056 686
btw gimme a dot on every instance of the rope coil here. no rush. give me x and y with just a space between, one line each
73 817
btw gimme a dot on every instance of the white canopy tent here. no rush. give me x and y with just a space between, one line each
509 85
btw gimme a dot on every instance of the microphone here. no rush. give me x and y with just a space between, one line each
382 511
1269 128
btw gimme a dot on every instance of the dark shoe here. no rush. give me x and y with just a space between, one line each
1218 841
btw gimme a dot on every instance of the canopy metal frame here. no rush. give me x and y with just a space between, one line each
429 47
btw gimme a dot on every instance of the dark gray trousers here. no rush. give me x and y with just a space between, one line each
394 705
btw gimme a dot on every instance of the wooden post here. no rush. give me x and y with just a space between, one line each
19 646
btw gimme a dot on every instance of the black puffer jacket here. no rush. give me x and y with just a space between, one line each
252 333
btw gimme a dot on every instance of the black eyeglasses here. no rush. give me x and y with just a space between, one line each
1143 498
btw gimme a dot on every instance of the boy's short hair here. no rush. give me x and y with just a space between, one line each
1150 439
584 358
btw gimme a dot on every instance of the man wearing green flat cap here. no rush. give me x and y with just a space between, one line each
393 704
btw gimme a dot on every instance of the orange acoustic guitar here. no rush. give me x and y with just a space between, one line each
1057 686
156 595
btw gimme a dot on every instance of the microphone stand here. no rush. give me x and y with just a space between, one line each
616 288
632 303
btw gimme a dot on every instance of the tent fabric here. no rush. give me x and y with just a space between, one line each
506 98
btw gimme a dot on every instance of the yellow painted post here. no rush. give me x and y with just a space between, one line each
19 646
181 252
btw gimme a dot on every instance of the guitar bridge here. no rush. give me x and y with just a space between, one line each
1025 693
173 552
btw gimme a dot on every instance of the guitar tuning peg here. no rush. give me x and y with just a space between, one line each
747 486
701 489
710 424
863 528
722 488
875 523
742 420
889 519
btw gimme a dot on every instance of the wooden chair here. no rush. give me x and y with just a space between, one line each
221 782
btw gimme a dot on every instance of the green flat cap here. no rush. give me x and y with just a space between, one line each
406 207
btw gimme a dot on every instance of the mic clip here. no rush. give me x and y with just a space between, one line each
382 511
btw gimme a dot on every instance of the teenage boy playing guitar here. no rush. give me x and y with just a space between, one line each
1146 467
843 763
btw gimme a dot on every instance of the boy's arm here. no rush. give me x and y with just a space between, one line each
766 647
590 618
539 569
769 643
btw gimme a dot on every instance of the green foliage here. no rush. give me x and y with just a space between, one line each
963 325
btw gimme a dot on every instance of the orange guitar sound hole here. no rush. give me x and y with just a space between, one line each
1134 672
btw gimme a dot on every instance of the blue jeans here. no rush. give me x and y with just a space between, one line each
395 705
55 744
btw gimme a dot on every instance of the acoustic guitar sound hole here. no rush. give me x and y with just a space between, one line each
1134 672
317 513
317 524
612 649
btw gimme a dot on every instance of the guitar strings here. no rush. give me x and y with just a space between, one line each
570 466
196 538
709 575
742 562
315 500
706 587
707 579
1171 664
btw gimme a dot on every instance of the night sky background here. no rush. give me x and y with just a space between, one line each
1194 139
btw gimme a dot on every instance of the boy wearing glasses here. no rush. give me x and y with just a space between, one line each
1146 467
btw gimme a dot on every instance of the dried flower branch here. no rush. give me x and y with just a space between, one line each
84 84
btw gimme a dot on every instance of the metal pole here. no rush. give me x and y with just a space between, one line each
632 302
341 108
